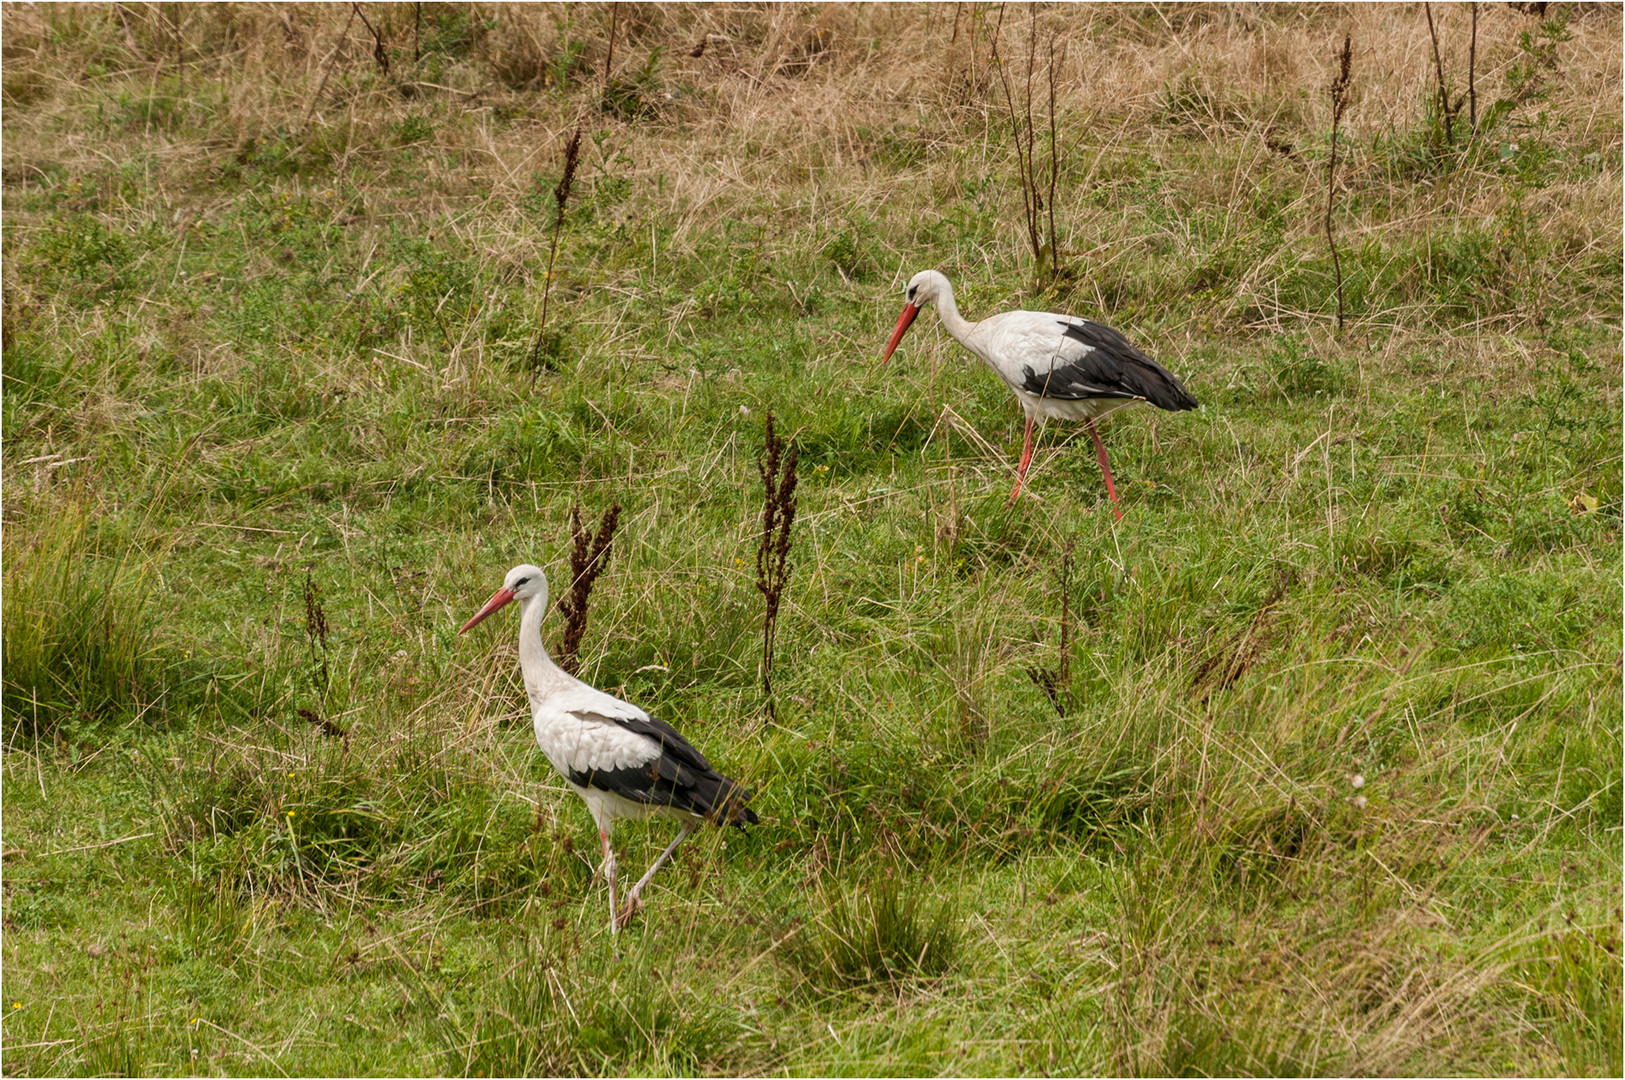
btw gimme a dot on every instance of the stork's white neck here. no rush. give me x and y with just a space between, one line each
948 311
542 675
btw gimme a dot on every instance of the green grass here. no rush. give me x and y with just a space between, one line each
1335 786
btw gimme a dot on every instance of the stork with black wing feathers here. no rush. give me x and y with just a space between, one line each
621 761
1059 366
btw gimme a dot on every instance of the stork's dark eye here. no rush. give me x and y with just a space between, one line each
520 582
912 290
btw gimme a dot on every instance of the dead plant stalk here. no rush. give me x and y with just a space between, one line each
1046 253
1339 94
561 199
589 555
316 636
777 465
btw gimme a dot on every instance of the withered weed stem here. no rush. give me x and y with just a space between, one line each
777 464
1340 97
561 200
589 556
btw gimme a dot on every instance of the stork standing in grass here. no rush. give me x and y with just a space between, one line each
623 762
1058 365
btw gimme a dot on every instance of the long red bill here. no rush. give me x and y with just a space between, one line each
499 599
903 320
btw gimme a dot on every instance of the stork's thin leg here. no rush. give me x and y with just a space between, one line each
609 876
1026 460
1100 452
634 902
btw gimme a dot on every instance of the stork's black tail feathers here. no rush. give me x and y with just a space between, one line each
719 799
732 809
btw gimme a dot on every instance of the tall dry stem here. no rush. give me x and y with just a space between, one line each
379 52
1445 112
1046 253
777 465
316 636
1339 94
1472 71
561 199
321 88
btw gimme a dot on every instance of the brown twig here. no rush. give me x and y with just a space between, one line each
998 28
614 18
1438 67
1472 64
316 635
778 471
1339 93
129 36
321 723
589 555
379 53
327 72
1054 166
1026 139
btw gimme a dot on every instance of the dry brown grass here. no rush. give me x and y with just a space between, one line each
732 139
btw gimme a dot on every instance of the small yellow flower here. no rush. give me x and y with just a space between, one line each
16 1004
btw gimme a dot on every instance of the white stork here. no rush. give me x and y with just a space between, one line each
1058 365
623 762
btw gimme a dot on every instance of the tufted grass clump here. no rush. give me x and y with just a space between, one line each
557 1012
79 643
889 931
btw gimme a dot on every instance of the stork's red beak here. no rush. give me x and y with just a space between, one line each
903 320
499 599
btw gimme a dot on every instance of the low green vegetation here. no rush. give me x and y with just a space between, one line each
1333 784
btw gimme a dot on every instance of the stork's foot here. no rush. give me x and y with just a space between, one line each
628 911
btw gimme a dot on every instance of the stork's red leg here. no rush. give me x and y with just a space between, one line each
609 876
634 899
1026 460
1100 452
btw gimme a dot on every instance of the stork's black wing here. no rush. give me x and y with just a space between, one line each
678 775
1096 361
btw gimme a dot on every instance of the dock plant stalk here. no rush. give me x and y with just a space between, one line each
561 200
589 555
777 464
1340 98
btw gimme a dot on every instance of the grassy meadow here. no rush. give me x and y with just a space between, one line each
1328 776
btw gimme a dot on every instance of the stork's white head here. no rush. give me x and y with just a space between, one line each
523 583
926 287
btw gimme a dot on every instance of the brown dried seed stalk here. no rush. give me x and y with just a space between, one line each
1339 94
316 635
561 199
777 466
589 555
